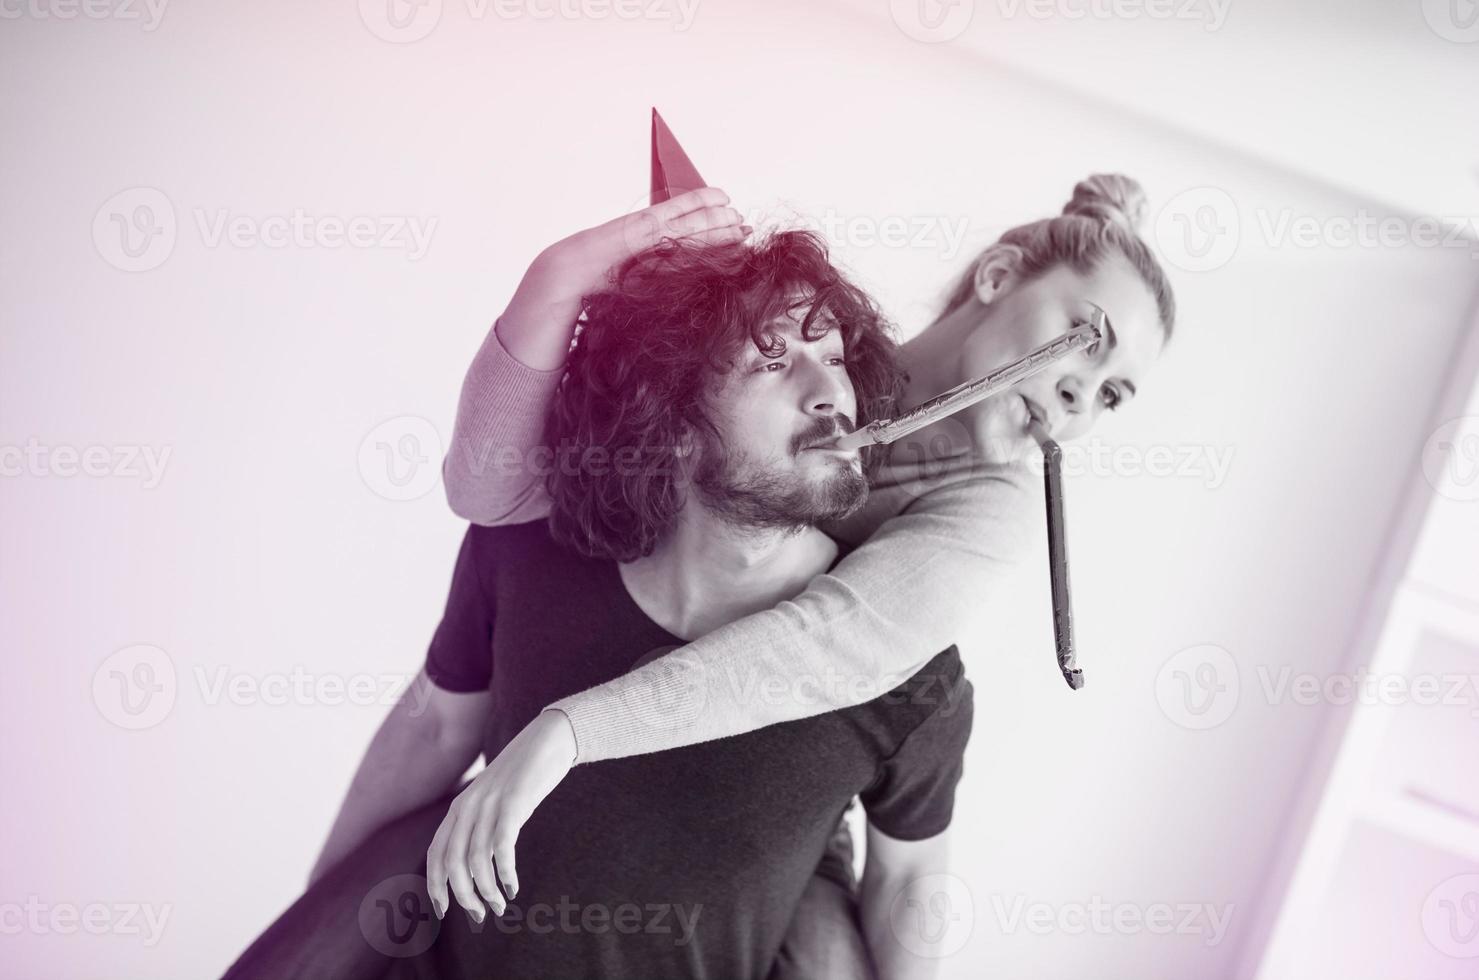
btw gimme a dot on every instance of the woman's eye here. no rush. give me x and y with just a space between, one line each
838 359
770 364
1112 398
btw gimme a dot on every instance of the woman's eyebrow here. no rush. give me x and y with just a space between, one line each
1113 340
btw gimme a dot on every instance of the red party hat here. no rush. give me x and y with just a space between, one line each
672 172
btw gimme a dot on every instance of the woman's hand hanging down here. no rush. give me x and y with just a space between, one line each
540 319
473 849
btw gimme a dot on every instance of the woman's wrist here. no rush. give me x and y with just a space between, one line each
557 727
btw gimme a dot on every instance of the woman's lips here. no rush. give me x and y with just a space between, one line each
1034 414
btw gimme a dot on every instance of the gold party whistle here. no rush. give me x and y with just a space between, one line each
968 393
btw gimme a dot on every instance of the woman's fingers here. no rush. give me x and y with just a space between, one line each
723 236
644 230
486 879
687 214
458 879
480 860
705 219
505 835
490 858
680 204
446 864
436 866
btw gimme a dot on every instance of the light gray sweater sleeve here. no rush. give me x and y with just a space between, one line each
854 634
494 469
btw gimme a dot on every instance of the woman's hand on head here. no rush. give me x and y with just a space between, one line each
586 257
539 322
472 851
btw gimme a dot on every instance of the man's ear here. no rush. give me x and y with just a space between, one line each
996 272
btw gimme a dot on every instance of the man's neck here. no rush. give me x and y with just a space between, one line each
708 572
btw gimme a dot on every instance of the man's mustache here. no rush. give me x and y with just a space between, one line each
822 431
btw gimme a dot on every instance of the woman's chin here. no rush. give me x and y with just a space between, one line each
1002 437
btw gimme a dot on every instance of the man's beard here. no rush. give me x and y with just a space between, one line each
767 499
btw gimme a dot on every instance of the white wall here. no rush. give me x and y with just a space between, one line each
264 549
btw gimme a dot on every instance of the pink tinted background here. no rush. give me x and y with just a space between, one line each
271 543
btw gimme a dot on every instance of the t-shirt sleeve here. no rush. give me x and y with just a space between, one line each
460 657
913 795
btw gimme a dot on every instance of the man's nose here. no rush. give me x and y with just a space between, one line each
828 391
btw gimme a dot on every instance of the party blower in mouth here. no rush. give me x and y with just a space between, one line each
884 431
968 393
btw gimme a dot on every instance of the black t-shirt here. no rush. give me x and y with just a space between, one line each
687 862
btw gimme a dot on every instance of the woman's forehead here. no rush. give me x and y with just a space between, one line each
1116 288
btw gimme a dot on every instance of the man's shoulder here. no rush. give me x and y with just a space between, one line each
503 545
529 531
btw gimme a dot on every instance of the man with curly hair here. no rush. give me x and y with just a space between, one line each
689 474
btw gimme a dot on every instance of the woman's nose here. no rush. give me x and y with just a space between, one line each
1070 395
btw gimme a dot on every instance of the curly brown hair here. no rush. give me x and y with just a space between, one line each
650 348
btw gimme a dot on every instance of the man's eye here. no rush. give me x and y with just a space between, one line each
1112 398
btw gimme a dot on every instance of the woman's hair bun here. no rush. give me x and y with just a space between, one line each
1110 197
